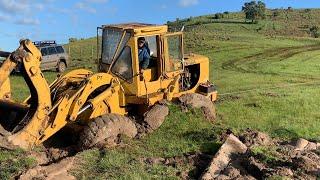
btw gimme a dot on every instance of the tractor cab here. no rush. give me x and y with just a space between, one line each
119 55
166 73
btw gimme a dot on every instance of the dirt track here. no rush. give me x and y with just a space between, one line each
281 54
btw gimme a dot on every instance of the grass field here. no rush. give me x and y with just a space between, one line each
268 80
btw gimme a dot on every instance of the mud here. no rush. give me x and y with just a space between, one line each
52 163
282 159
56 171
199 101
198 161
254 138
294 160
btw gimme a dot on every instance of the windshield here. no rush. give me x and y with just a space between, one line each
110 41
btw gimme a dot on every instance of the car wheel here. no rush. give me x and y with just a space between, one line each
61 67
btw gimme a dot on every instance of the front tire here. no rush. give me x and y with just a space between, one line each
61 67
106 127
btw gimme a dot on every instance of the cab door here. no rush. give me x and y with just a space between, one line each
170 49
45 58
53 58
173 54
150 80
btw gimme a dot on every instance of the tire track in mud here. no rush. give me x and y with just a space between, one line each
274 54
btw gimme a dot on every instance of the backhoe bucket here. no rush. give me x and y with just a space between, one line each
24 122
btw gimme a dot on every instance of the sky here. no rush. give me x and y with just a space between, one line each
62 19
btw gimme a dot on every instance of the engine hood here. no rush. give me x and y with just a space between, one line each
191 59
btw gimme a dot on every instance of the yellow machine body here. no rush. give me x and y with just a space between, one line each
81 95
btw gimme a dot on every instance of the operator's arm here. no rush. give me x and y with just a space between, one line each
146 60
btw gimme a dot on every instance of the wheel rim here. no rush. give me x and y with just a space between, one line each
62 67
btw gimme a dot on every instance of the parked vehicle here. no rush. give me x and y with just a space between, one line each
54 56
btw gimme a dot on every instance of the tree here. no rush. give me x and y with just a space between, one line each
72 40
314 31
254 10
218 16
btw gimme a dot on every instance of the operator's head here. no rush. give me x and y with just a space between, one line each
141 41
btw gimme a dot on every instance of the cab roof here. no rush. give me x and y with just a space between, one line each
139 28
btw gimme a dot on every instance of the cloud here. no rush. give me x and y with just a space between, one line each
85 7
186 3
20 12
4 17
163 6
39 6
27 21
14 6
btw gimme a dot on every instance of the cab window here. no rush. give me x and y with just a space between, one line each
110 41
175 52
152 45
123 65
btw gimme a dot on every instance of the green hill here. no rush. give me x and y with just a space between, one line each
268 79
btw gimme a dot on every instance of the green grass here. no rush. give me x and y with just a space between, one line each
12 163
267 76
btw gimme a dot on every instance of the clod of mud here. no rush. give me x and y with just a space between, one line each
294 160
4 141
232 147
4 144
199 101
284 172
55 171
303 144
156 116
197 160
305 163
255 138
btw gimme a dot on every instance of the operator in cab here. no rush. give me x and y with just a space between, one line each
143 53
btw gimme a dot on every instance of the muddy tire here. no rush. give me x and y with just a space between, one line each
156 116
195 100
61 67
106 127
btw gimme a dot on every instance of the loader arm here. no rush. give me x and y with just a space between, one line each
27 128
77 95
6 68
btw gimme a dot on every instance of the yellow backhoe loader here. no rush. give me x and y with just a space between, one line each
91 103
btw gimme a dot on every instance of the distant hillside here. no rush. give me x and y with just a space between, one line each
278 22
218 27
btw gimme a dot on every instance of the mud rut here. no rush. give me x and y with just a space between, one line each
248 64
57 156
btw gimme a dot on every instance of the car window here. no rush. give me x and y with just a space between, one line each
52 50
60 49
44 51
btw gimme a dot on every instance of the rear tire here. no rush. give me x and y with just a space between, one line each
104 128
61 67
